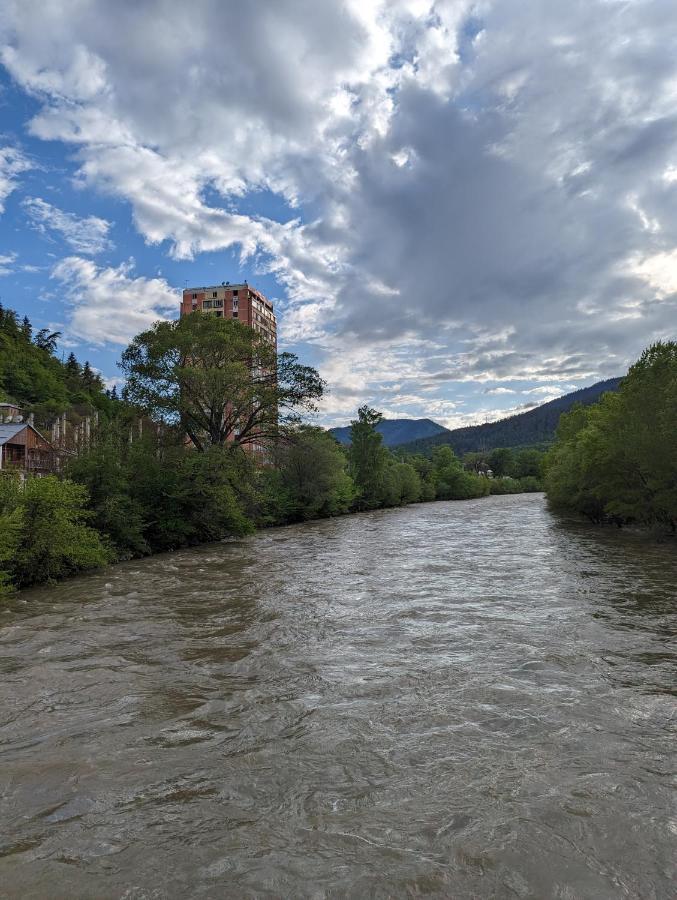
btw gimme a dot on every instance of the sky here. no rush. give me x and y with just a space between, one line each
460 209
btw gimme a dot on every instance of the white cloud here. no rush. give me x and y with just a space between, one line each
659 271
12 163
110 305
6 261
84 235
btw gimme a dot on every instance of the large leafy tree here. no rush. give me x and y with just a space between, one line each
219 380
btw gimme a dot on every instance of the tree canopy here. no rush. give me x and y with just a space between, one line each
617 460
219 380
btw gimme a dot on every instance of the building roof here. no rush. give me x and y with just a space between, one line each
7 432
223 284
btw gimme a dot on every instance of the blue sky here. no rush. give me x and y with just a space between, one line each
459 208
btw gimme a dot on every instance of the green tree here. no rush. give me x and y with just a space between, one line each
452 481
501 461
50 539
313 477
368 458
220 380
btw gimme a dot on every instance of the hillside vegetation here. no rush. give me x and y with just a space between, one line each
537 426
32 377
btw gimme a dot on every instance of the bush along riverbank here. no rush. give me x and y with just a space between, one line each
616 461
203 444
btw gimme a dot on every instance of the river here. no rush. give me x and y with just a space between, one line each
462 700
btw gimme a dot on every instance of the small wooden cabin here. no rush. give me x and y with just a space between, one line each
22 447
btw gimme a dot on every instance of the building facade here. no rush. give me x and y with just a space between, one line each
233 301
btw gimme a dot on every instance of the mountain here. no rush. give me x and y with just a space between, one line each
536 426
398 431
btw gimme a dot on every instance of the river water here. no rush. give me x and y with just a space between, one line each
463 700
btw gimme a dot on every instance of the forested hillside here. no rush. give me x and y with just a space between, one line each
32 377
537 426
397 431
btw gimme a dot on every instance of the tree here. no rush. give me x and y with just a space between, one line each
452 481
368 457
313 477
501 461
219 380
72 365
46 340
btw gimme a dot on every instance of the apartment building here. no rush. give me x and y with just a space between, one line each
233 301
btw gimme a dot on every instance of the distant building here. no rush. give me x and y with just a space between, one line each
233 301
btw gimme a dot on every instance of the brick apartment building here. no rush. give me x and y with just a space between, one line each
233 301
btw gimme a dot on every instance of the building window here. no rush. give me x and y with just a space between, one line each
219 314
235 314
235 293
207 304
213 293
194 297
218 303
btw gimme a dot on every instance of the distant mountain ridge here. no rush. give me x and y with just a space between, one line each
536 426
397 431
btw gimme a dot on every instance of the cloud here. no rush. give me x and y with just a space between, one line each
6 261
110 305
84 235
481 191
12 163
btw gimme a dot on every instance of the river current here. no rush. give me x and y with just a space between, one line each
458 700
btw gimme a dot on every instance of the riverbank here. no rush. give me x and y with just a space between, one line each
80 549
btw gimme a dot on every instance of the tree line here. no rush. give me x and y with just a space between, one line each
206 440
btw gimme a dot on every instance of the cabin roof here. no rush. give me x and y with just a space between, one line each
7 432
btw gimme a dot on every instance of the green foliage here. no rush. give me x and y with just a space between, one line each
368 458
219 380
32 377
151 495
617 460
452 481
313 477
45 535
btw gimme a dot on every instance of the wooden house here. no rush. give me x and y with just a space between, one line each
23 448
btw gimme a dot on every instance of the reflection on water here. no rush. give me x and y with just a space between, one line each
450 700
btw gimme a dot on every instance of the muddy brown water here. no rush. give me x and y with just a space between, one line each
462 700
